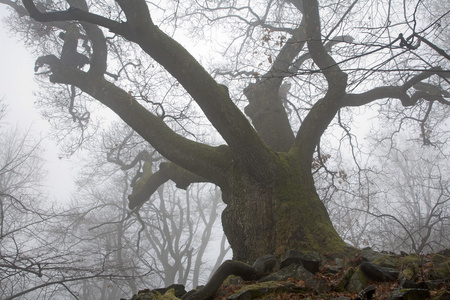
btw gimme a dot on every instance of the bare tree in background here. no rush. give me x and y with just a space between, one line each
170 237
20 211
415 201
339 58
44 253
31 260
405 202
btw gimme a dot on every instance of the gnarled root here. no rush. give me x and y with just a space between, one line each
232 267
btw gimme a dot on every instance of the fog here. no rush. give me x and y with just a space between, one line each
277 134
17 85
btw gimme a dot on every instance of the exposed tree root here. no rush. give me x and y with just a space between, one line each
261 266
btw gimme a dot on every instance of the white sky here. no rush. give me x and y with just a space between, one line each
16 89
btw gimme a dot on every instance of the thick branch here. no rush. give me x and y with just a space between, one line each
328 46
336 78
99 49
136 12
99 56
313 126
290 50
398 92
376 94
434 47
70 15
265 106
424 75
148 184
323 112
201 159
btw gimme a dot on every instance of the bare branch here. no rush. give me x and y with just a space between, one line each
399 92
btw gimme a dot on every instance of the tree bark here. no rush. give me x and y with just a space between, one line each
278 216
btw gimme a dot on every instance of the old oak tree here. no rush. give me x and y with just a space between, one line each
264 167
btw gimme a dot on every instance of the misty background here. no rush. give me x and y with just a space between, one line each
75 223
17 85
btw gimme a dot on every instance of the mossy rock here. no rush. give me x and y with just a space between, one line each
410 266
412 259
345 280
441 271
153 295
357 282
445 252
258 290
371 255
410 273
441 267
443 295
409 294
352 281
232 280
388 261
439 259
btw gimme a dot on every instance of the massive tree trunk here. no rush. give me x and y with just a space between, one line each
278 215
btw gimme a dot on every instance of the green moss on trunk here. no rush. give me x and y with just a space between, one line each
302 220
273 218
